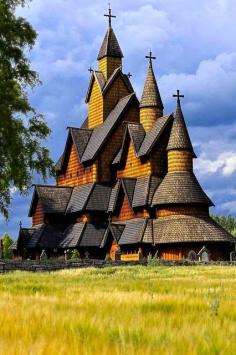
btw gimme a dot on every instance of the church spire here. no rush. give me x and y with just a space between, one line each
110 54
151 106
180 149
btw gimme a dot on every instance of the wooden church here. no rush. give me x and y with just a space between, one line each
125 185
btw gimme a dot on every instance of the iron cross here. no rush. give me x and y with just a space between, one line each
129 75
109 15
150 57
90 70
178 96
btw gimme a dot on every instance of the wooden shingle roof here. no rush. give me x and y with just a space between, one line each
151 96
110 46
72 235
100 134
93 235
180 188
154 134
183 228
137 230
179 136
79 198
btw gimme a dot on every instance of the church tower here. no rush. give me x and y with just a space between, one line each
110 55
151 106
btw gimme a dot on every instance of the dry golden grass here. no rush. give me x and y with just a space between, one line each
131 310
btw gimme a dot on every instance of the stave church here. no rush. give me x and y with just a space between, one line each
125 186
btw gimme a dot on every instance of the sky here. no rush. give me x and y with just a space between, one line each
194 43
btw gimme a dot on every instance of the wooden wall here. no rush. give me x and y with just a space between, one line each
185 210
76 174
180 160
38 216
95 107
125 212
107 65
148 116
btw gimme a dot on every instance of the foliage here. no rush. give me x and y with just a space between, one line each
120 310
227 222
75 255
22 129
7 242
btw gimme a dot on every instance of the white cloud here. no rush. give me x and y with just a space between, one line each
225 164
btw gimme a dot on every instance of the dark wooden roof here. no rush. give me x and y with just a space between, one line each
110 46
93 235
151 96
144 190
35 236
154 134
179 137
183 228
99 198
72 235
113 196
128 185
80 138
180 188
100 134
134 231
79 198
117 230
54 199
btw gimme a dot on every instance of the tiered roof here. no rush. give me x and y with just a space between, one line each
110 46
151 96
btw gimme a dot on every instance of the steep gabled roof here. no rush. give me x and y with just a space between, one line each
179 137
183 228
144 189
128 185
113 197
93 235
154 134
99 198
151 96
180 188
72 235
110 46
79 198
100 134
35 236
105 85
53 199
133 232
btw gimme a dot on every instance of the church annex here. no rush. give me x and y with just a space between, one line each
125 185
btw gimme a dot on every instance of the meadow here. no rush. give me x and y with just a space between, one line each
129 310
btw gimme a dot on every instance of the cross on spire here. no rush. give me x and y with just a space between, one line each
129 75
90 70
150 57
178 95
109 15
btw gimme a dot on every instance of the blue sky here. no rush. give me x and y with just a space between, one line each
194 42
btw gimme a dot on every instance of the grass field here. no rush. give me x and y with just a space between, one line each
130 310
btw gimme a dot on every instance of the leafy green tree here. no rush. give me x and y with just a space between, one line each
6 243
22 129
227 222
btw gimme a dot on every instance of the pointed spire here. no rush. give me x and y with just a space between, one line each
110 46
151 96
179 137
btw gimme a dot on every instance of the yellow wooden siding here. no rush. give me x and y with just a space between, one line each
180 160
133 166
95 107
148 116
107 65
117 91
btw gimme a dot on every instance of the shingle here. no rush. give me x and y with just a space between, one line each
79 198
85 123
100 134
128 185
117 72
183 228
179 137
58 165
117 230
140 196
110 46
154 134
153 185
151 96
53 199
148 233
100 79
180 188
133 231
92 235
99 198
113 197
35 237
71 236
118 157
50 237
137 134
80 139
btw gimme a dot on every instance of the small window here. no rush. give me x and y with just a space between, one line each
204 254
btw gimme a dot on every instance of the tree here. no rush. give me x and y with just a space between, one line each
22 129
6 243
227 222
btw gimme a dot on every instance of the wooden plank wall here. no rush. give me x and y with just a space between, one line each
180 160
126 212
148 116
76 174
38 216
95 107
187 210
107 65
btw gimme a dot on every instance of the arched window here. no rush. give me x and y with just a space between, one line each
192 255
